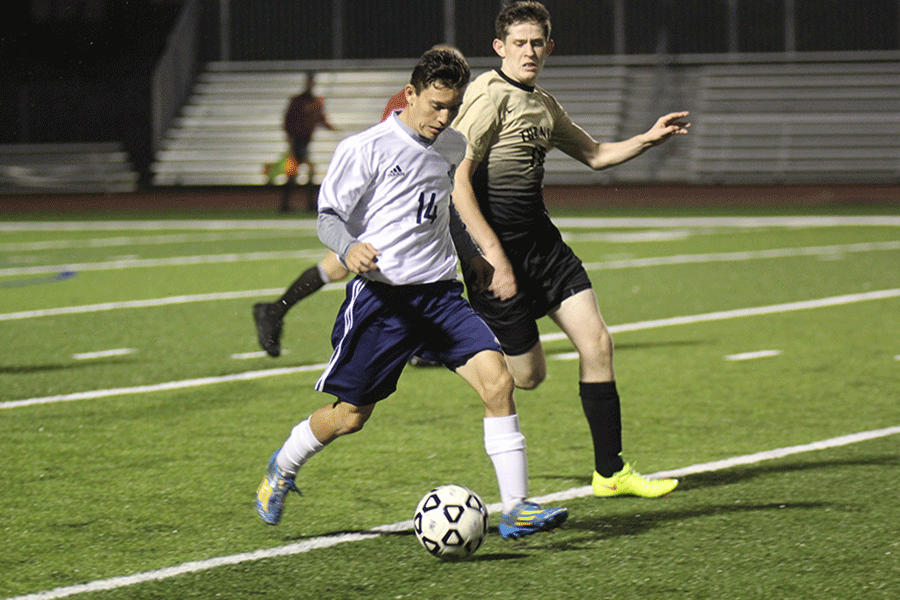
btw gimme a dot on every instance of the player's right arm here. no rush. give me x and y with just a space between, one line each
359 257
347 178
503 284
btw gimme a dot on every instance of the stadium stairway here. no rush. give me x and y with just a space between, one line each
66 168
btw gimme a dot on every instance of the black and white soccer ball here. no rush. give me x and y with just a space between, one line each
451 522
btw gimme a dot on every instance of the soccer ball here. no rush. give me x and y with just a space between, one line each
451 522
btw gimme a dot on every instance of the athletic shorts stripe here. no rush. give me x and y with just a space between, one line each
353 292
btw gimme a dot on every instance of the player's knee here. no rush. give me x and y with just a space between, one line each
497 391
504 384
597 347
530 379
352 422
528 374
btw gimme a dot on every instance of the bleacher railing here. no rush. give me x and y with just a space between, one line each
175 72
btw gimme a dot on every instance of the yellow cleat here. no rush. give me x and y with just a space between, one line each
627 482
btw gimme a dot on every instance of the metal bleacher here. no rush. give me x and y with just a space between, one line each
66 167
232 123
797 123
595 98
822 122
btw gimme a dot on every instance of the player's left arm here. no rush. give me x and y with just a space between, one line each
597 155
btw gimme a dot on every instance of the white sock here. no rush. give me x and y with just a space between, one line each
299 448
505 444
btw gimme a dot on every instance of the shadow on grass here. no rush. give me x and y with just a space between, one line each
654 514
668 344
593 528
742 473
51 367
598 528
477 557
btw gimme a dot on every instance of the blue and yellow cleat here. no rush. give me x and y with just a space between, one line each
527 518
271 492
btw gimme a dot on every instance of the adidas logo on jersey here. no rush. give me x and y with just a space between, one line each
396 172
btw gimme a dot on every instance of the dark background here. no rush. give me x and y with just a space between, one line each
79 70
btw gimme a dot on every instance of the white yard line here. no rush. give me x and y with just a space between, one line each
318 253
103 353
683 259
168 300
641 325
745 312
328 541
161 387
747 459
187 225
577 222
174 261
652 235
739 222
826 251
155 240
753 355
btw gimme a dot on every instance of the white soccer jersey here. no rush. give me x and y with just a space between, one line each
394 193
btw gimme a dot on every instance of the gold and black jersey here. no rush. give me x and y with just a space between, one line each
510 127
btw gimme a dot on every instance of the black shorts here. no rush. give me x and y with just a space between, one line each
547 272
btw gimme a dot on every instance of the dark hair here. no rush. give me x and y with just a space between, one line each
444 66
525 11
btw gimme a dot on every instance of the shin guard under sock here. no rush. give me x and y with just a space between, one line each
600 402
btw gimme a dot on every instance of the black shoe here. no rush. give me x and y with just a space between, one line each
268 328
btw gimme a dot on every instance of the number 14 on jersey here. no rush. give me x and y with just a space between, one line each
426 208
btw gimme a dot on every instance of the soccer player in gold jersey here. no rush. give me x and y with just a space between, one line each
511 124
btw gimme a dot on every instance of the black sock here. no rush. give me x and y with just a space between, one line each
308 282
600 402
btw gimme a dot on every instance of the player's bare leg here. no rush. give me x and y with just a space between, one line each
335 420
529 369
306 440
579 317
486 372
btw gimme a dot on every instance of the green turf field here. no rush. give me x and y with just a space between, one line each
138 414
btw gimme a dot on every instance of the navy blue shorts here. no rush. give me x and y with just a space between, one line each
380 327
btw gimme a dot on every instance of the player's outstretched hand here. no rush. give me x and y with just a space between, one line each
667 126
362 258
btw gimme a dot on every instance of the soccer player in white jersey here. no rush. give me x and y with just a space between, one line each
511 124
384 210
269 316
